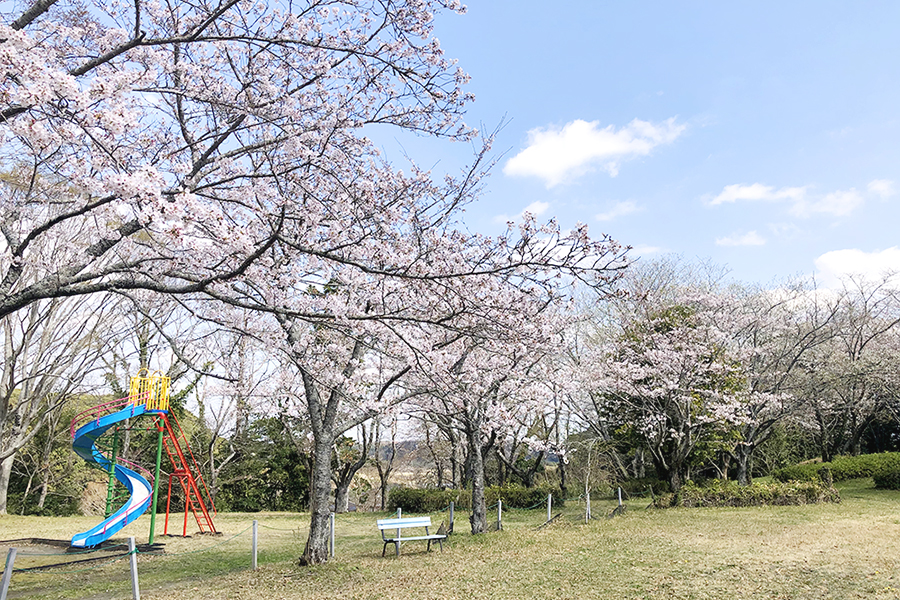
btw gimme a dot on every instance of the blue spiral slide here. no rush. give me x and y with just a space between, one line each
139 488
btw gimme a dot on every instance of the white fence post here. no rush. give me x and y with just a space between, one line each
132 557
254 545
549 506
450 529
7 572
620 496
499 515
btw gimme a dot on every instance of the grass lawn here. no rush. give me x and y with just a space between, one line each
847 550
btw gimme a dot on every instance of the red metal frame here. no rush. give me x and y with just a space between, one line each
187 472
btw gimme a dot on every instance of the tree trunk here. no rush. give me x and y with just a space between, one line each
561 469
384 494
45 489
476 464
5 471
45 465
316 551
25 494
673 472
676 480
501 468
638 466
856 432
438 464
455 476
342 496
744 464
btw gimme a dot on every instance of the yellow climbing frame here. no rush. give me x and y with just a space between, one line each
151 389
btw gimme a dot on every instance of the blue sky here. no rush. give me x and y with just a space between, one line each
764 136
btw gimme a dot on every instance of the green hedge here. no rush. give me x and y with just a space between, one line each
729 493
414 500
887 479
888 476
842 468
642 486
517 496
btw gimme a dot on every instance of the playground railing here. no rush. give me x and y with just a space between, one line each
95 413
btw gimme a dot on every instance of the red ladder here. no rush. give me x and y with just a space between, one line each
187 472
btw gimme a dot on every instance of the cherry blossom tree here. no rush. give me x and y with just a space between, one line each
783 329
165 133
661 364
852 379
491 379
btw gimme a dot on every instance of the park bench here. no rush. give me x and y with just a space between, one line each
397 525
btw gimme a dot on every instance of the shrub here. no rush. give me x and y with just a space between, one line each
517 496
888 476
724 493
643 486
802 472
415 500
887 479
842 468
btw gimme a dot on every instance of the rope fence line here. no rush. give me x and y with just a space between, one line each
91 568
73 552
199 550
295 529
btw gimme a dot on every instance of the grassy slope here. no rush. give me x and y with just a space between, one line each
849 550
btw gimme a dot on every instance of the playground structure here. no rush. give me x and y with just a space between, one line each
148 396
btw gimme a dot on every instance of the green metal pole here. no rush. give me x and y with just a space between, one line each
111 486
159 445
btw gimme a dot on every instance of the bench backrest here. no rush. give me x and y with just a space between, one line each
404 522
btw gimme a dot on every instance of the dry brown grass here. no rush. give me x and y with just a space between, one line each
849 550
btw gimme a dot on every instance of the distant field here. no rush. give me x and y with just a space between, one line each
849 550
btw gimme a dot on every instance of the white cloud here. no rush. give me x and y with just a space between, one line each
751 238
834 265
883 188
535 208
557 155
757 191
619 210
838 203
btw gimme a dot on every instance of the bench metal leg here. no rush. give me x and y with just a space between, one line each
397 546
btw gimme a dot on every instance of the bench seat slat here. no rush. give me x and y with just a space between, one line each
433 536
404 523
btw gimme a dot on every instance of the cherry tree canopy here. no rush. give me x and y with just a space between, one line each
675 376
185 138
